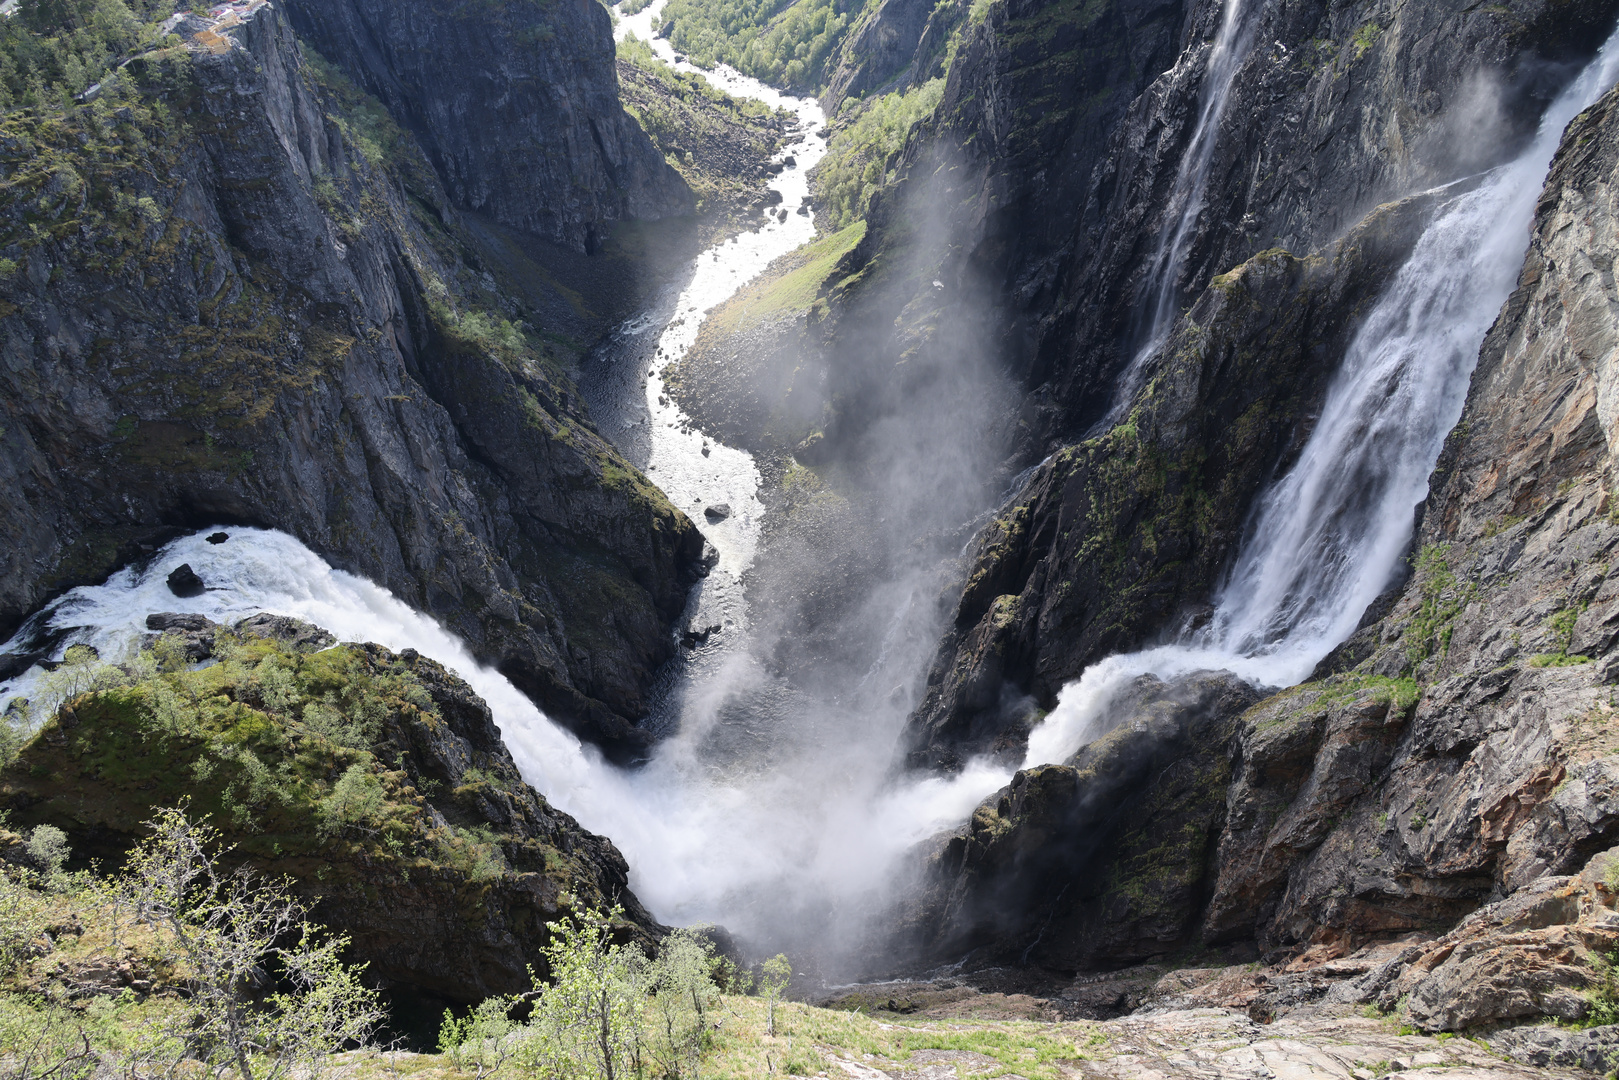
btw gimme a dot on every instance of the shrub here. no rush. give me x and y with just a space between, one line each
227 929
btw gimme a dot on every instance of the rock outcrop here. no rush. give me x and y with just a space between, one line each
237 292
1427 823
516 105
377 781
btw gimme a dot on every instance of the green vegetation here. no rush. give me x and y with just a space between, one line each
1443 598
291 752
789 287
607 1011
862 154
685 116
782 43
1562 627
1340 689
1365 38
54 50
236 978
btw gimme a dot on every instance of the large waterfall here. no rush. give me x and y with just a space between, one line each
1328 536
822 823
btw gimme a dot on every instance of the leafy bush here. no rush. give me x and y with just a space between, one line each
607 1012
266 994
861 153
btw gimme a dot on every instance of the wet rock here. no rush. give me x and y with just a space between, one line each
179 622
718 512
218 537
695 638
184 582
1099 862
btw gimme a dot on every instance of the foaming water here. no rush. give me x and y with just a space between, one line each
811 819
1327 538
1160 298
698 844
818 828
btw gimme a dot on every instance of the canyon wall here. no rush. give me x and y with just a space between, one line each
239 293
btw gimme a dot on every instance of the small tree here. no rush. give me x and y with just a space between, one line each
48 848
683 992
773 978
226 928
484 1038
588 1020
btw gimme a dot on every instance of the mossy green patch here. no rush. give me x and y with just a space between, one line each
791 286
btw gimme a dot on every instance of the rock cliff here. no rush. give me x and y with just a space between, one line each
235 290
1427 824
1335 110
516 105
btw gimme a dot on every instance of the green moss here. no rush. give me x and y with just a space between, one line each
297 756
1444 597
1558 659
790 287
1365 38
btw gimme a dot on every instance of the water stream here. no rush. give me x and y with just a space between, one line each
1327 537
809 832
1160 302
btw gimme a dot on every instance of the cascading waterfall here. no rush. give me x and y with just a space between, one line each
1328 536
703 843
1160 298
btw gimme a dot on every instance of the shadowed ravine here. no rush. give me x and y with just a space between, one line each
777 806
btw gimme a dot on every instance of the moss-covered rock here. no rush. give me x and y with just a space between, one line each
377 780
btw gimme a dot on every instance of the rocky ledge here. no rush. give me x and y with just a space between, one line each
376 780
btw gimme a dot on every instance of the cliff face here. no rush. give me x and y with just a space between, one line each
515 104
238 293
1336 109
1446 783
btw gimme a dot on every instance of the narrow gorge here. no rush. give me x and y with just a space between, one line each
1084 526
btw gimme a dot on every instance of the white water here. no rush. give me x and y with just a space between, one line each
1328 537
706 841
706 845
1187 196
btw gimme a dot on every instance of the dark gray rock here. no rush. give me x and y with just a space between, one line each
294 362
516 105
184 582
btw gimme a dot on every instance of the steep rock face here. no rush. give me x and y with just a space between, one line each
443 879
1505 772
516 105
896 44
1335 108
228 305
1101 861
1109 539
1458 750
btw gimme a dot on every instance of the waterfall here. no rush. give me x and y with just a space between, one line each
1328 536
1161 294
